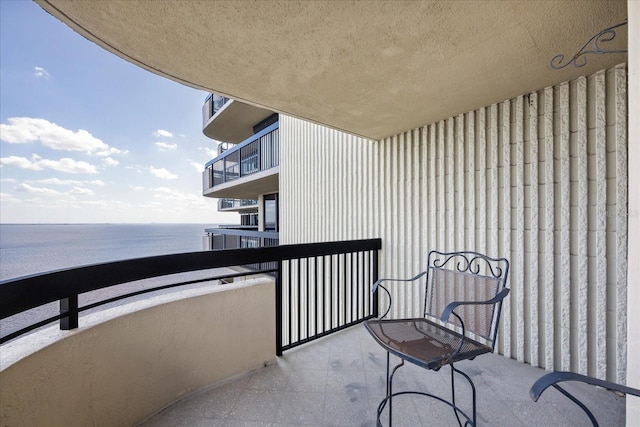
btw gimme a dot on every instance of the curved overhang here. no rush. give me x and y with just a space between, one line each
247 187
234 122
370 68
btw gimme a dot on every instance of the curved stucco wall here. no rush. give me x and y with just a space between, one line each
120 370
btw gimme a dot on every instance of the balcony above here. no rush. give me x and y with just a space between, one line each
230 121
237 205
236 238
247 170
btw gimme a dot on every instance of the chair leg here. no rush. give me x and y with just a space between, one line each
390 375
453 395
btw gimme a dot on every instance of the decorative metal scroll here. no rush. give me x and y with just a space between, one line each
593 46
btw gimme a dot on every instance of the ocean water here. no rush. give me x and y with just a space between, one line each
37 248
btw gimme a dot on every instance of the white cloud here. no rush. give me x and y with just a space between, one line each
81 191
161 133
11 180
6 197
162 173
41 73
44 191
198 166
58 181
185 199
26 188
136 187
20 162
163 146
110 151
99 203
66 165
108 161
210 152
21 130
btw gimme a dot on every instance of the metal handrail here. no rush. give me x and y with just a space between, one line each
24 293
244 143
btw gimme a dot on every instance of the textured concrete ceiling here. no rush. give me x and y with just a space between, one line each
372 68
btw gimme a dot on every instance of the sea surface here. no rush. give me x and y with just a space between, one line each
37 248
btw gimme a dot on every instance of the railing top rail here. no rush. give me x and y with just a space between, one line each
247 141
24 293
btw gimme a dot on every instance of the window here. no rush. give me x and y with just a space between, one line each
271 212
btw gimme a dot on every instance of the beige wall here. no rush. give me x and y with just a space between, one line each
540 179
120 371
633 373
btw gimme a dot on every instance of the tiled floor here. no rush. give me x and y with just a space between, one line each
339 381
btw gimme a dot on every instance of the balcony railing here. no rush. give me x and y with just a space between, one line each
324 286
239 237
212 104
257 153
236 203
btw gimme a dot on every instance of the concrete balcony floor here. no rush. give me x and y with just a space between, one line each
339 381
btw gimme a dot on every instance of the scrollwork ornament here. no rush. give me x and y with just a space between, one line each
593 46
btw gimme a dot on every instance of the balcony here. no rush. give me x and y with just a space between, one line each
237 205
247 170
339 381
208 356
232 121
160 349
212 105
241 237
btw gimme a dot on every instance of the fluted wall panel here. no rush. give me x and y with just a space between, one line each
540 179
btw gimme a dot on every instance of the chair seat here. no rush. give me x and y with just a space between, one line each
423 342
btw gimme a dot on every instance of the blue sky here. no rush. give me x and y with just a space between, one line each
87 137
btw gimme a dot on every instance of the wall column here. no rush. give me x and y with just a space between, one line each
633 279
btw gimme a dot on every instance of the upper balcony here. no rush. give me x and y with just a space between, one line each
247 170
237 205
224 119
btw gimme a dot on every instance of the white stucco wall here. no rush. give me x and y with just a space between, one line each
126 363
633 342
540 179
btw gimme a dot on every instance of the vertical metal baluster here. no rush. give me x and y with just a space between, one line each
330 292
69 306
290 320
344 287
374 273
299 301
279 309
308 299
351 287
359 282
315 286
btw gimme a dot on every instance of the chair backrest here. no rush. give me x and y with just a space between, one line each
466 276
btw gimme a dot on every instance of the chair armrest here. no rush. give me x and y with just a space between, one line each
446 313
553 378
375 285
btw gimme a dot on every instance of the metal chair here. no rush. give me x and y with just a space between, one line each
553 379
462 305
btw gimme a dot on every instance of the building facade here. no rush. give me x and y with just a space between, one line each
244 175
